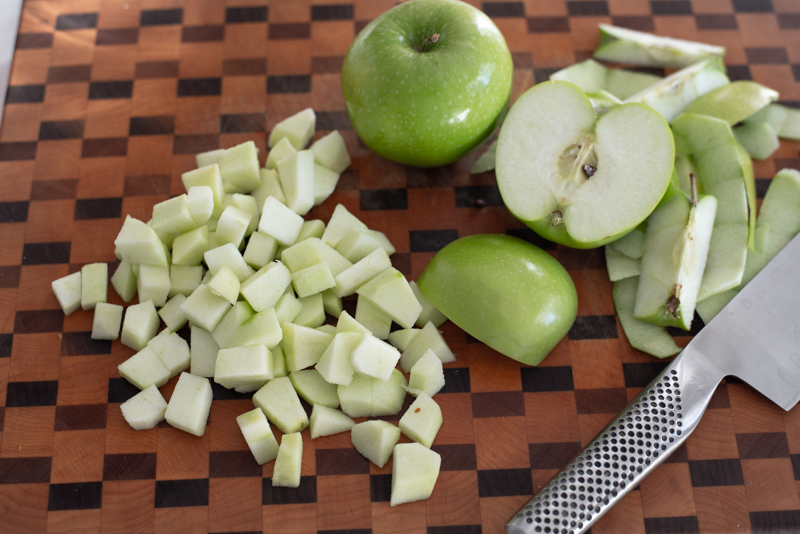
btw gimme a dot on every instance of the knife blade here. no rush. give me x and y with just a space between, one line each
756 338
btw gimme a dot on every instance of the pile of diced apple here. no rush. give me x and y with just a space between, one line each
235 259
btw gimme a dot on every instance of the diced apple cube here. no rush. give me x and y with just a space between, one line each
242 366
303 346
270 187
325 421
184 279
426 375
302 254
172 315
239 166
173 351
296 173
370 397
281 404
232 226
374 319
140 325
346 323
375 440
429 311
262 328
298 129
401 338
228 255
204 308
332 304
249 205
153 283
279 362
144 369
225 284
94 285
311 228
340 223
374 357
358 243
190 404
107 321
330 151
124 281
334 364
312 280
68 292
258 435
355 398
282 149
208 158
335 261
260 250
389 291
264 288
415 469
200 199
428 338
288 307
144 410
139 243
312 314
280 222
325 181
173 216
188 248
313 389
328 329
230 188
207 175
289 461
239 313
367 268
203 352
422 420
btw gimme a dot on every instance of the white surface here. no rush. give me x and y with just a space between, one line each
10 11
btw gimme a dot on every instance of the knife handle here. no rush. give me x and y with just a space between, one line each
636 441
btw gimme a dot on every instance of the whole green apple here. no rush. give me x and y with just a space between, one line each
427 81
503 291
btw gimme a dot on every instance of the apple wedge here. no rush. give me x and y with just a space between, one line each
576 179
644 336
593 77
734 102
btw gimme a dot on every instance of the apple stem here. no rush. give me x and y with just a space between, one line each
673 302
432 39
692 189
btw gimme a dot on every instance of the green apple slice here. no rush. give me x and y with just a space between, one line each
334 364
673 94
140 325
325 421
550 138
298 129
144 369
426 376
258 435
107 321
144 410
734 102
620 266
722 173
139 243
422 420
124 282
623 45
314 389
778 222
330 151
203 352
289 461
675 253
593 77
415 469
375 440
785 121
603 101
644 336
758 139
281 405
485 161
68 289
190 404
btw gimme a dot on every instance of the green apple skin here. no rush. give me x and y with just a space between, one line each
427 107
503 291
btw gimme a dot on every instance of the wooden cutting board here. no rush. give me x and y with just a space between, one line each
109 102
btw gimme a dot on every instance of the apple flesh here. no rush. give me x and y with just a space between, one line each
426 81
576 179
503 291
593 77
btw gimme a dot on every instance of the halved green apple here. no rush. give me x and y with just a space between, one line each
578 179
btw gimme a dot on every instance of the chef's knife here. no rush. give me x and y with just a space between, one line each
755 338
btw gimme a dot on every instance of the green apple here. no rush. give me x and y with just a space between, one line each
503 291
734 102
594 77
427 81
578 179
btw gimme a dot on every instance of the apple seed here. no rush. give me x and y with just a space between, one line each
589 171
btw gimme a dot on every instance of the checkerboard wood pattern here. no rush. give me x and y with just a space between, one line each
110 100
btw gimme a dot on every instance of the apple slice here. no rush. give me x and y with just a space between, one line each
210 157
227 255
551 139
68 290
675 251
312 313
144 410
427 375
373 318
758 139
152 283
390 292
429 338
673 94
593 77
325 181
375 440
722 172
139 243
190 404
239 313
107 321
124 281
374 357
415 469
258 435
325 421
422 420
620 266
298 129
289 461
314 389
204 308
203 352
140 325
144 369
239 166
486 160
264 288
241 366
183 279
330 152
173 351
263 328
622 45
209 176
297 181
734 102
334 364
784 120
402 338
281 404
644 336
303 346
